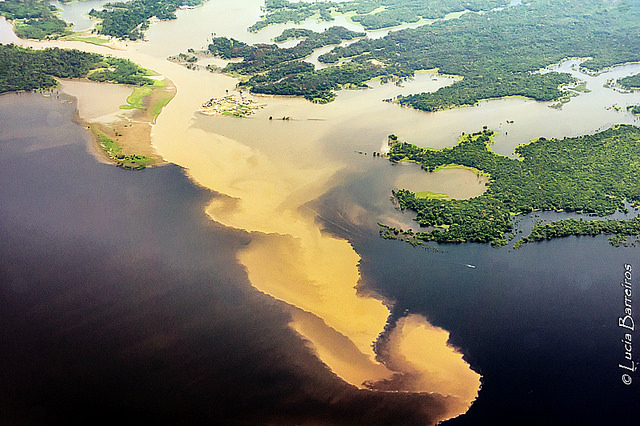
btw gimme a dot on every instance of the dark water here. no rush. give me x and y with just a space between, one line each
539 323
120 300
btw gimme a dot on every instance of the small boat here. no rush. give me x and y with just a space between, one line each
471 266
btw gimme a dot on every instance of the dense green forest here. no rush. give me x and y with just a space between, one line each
371 14
28 69
541 87
497 53
263 57
564 228
34 18
126 20
282 71
591 174
631 82
130 19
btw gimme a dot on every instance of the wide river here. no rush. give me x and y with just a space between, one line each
536 327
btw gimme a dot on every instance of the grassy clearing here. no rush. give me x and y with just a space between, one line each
157 107
136 98
582 88
87 39
458 166
429 194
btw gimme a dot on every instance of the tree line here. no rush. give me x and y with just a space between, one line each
28 69
631 82
371 14
282 71
35 19
591 174
129 20
498 52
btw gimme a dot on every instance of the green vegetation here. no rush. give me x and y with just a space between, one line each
129 20
135 99
87 39
635 109
630 83
498 52
113 150
34 19
564 228
371 14
468 92
592 174
266 57
281 71
581 88
156 108
429 194
121 71
28 69
283 11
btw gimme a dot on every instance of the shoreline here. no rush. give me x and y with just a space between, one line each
129 128
324 268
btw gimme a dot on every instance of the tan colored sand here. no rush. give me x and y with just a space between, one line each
99 107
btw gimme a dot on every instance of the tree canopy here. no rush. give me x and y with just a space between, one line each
497 48
591 174
129 20
28 69
631 82
34 18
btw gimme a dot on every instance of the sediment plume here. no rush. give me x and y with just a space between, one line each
263 191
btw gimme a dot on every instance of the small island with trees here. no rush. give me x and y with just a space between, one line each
38 19
631 82
35 19
595 175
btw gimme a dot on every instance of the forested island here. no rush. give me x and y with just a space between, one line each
631 82
34 19
269 69
592 174
38 19
130 19
473 46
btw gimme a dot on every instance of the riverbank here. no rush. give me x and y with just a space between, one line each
120 118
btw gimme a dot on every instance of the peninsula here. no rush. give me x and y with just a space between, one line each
593 174
121 141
